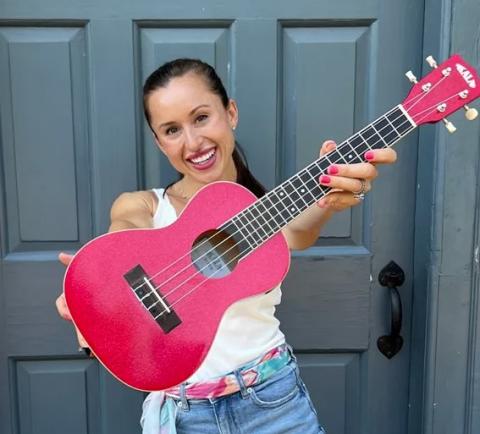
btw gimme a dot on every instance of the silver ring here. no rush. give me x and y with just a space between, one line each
359 196
362 190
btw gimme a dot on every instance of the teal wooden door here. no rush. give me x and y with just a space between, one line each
73 138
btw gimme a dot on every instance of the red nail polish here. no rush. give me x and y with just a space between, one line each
332 170
369 155
324 179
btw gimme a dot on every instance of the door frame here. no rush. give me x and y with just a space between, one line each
445 326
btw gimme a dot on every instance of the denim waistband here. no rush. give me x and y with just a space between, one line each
159 408
250 374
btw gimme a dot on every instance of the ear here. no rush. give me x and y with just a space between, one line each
232 113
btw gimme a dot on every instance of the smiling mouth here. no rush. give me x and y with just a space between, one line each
203 159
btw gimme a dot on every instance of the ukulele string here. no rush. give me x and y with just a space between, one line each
263 240
424 94
268 208
224 254
430 109
414 101
224 266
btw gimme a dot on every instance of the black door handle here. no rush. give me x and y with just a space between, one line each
390 277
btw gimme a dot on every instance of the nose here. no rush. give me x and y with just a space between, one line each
193 140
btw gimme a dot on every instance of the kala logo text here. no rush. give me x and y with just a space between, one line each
466 74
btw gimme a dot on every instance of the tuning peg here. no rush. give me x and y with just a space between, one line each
470 113
431 62
411 76
450 127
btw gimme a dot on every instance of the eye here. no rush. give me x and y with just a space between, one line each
201 118
171 130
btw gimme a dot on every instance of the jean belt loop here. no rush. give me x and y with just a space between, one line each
290 350
183 403
241 383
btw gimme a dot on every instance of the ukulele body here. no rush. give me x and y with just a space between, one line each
122 333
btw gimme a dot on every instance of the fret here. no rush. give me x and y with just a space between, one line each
389 133
274 225
252 229
286 201
333 157
248 233
352 149
372 138
244 230
306 196
359 143
315 189
349 156
318 168
327 159
290 211
381 137
294 194
232 228
281 212
259 216
248 212
345 160
399 121
321 165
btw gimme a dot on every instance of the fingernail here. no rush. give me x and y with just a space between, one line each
324 179
322 203
332 170
369 155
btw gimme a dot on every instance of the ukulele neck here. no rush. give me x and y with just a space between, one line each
277 208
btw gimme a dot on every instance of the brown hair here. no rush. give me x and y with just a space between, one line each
179 67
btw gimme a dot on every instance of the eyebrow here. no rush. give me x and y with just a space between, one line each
191 113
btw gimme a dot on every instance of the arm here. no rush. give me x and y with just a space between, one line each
129 211
133 210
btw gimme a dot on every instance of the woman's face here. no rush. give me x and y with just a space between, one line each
194 130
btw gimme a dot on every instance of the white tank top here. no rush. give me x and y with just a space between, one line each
248 328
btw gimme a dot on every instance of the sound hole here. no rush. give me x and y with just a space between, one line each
215 253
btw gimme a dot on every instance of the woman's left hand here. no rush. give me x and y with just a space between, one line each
350 181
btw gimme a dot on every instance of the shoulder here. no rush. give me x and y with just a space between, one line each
144 202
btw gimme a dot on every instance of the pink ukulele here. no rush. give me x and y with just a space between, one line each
149 301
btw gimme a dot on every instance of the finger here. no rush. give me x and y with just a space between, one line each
354 185
65 258
338 201
62 307
382 156
81 340
355 170
327 146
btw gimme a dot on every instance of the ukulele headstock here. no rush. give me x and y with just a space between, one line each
449 87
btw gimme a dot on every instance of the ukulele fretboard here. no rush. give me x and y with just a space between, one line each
268 215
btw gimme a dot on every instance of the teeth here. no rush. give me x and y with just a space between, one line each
203 158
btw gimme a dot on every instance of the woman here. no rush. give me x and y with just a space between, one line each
249 381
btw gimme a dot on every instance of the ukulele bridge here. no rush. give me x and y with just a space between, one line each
153 300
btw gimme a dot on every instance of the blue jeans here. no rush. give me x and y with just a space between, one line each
280 405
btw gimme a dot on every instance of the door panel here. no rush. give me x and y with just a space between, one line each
73 138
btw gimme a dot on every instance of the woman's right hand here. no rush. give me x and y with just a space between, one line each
61 304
